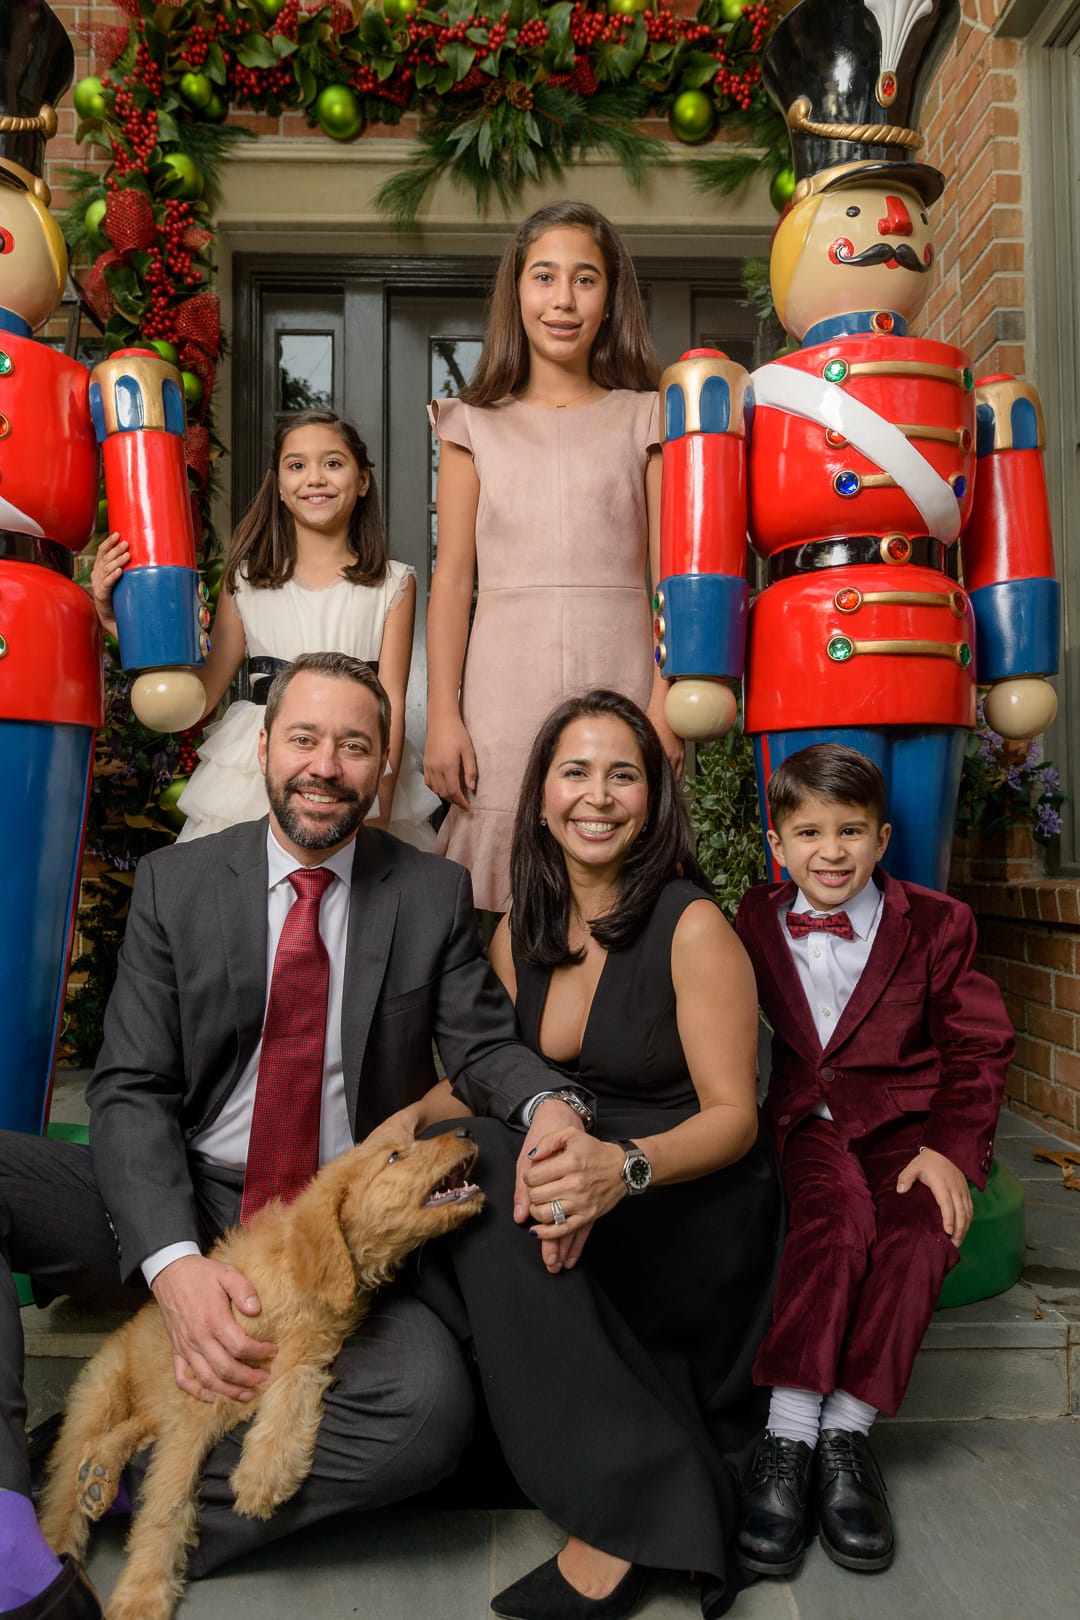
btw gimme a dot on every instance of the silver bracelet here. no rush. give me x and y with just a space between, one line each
570 1098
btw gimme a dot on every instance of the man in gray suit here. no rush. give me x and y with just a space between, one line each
171 1110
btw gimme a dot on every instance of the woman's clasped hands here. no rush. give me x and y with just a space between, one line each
567 1181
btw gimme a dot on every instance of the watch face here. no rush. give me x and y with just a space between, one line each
638 1173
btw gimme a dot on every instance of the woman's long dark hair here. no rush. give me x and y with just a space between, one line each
622 354
263 545
664 849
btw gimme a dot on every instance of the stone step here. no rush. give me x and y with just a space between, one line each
1017 1355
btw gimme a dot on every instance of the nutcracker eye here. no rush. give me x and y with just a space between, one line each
7 241
924 219
853 212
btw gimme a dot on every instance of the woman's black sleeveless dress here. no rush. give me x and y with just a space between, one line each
620 1391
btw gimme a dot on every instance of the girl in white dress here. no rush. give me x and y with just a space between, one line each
307 572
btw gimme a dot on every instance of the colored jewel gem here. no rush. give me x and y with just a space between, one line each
835 371
834 437
958 603
848 599
964 655
7 364
882 321
656 602
3 647
660 654
5 427
965 439
959 485
847 483
840 649
968 379
898 548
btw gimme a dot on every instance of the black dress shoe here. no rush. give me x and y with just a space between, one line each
70 1597
546 1594
856 1525
774 1520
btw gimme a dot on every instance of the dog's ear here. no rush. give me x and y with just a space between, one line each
318 1255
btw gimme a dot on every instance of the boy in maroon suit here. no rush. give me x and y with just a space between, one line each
888 1068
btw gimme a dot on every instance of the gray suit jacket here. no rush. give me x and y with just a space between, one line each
188 1004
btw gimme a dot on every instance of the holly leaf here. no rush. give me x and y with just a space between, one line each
214 66
425 75
698 69
167 130
458 56
282 47
256 52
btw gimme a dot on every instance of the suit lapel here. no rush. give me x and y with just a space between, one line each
776 955
241 902
886 954
373 909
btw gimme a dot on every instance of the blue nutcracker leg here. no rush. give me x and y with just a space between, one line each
923 786
46 769
922 778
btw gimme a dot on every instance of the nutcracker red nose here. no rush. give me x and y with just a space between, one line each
897 221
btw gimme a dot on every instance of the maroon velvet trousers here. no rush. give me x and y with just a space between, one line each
862 1265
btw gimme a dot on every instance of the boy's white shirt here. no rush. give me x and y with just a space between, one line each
829 968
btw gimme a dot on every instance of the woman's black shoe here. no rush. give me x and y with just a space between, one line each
69 1597
856 1525
546 1594
774 1520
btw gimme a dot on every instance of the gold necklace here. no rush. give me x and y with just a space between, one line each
555 404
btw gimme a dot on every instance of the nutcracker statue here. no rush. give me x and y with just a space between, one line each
900 505
52 415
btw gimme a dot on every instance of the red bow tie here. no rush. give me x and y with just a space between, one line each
801 923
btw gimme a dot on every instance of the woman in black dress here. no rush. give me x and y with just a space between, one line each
615 1333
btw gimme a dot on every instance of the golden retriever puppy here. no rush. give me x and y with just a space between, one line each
314 1265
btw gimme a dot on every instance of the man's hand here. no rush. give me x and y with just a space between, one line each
212 1355
948 1185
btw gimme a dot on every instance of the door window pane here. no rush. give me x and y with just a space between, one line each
305 370
451 362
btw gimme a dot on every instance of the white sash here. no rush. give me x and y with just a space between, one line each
880 441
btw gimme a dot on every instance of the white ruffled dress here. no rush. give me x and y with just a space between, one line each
227 785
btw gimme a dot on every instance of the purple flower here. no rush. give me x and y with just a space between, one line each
1047 820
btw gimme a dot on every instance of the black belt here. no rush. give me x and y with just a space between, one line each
29 549
860 548
265 668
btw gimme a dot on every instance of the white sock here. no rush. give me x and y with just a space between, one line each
794 1415
844 1411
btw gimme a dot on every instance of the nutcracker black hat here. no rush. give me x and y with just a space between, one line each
850 77
37 63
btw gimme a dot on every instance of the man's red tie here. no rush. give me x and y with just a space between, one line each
801 923
283 1151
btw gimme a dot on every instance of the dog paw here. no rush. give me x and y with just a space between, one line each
97 1488
257 1496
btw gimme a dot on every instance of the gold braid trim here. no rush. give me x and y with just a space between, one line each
43 124
869 134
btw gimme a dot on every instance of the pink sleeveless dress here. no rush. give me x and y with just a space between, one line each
561 555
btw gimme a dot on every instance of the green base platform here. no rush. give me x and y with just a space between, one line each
992 1253
62 1133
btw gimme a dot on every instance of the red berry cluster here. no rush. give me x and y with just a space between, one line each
188 755
172 265
586 27
148 72
256 85
396 89
532 34
664 28
140 133
287 19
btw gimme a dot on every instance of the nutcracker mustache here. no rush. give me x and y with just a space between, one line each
882 253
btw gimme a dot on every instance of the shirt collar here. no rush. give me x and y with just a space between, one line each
882 322
280 863
10 322
861 910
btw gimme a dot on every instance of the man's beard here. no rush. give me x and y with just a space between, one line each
324 835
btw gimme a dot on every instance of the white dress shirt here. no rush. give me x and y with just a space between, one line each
829 967
225 1141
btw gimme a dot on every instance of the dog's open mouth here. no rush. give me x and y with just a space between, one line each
454 1187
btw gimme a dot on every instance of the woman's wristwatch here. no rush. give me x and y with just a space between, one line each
570 1098
636 1171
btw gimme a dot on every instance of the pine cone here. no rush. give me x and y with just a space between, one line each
519 95
494 93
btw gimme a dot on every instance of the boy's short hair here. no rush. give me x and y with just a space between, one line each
827 771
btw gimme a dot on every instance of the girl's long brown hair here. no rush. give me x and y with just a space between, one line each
263 545
622 355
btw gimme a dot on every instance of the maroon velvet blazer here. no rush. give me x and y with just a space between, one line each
924 1033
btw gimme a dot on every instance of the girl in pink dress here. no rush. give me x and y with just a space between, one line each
549 496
